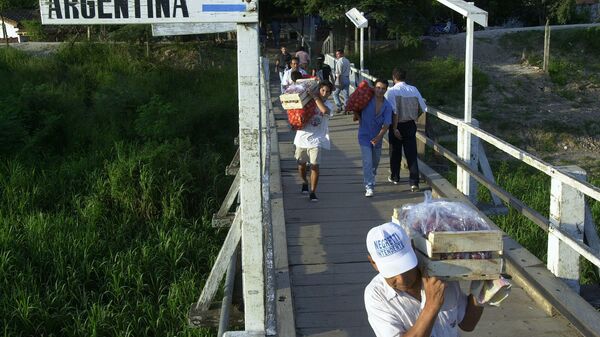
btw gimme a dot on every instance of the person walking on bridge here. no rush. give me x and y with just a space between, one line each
312 138
282 63
286 81
374 121
406 101
341 71
402 301
303 57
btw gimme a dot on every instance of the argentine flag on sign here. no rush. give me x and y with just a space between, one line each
219 6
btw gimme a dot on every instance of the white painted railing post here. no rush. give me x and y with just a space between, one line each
474 160
567 211
463 146
250 176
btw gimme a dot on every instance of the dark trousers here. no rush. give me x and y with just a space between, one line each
408 142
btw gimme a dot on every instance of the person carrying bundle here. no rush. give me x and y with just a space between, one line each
313 137
402 301
286 80
374 121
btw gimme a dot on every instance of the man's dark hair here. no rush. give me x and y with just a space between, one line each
326 83
341 50
399 74
294 58
320 57
300 48
296 75
382 81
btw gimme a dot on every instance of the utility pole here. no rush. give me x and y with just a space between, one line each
546 46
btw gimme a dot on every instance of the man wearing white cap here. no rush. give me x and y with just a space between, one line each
400 301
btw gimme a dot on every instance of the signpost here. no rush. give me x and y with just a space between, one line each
104 12
198 14
170 29
361 23
464 182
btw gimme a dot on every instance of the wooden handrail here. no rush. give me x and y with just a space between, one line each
552 171
527 211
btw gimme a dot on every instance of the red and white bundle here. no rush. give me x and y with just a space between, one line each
360 97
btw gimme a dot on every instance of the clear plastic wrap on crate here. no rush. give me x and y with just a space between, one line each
439 215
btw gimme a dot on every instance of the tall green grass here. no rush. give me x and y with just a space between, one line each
110 168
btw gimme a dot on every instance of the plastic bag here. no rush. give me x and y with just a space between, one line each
360 97
439 215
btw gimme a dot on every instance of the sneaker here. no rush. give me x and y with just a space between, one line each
313 197
393 181
414 188
304 188
369 192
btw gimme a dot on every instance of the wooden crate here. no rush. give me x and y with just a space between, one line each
430 248
298 101
294 101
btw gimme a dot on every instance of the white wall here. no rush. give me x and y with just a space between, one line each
11 31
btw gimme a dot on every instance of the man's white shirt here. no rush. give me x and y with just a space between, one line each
392 313
316 132
404 90
286 80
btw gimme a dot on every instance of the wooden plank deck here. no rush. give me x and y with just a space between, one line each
326 244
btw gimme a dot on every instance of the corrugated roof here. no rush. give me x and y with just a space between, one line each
18 15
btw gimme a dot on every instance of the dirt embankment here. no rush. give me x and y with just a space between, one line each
524 107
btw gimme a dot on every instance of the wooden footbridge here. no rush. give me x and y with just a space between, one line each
303 265
315 263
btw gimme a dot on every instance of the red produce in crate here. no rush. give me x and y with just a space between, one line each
299 117
360 97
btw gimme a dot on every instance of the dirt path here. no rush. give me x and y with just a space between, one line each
525 108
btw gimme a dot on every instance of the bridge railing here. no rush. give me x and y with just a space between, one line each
569 218
201 313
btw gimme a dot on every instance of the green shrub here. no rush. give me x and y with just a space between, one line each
107 189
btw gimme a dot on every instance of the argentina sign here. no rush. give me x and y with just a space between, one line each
90 12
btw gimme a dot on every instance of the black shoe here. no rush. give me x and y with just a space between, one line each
313 197
415 188
304 188
394 181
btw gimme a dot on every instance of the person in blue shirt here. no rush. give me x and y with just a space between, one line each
374 121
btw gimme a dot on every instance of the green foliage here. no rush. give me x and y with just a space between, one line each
111 168
34 29
562 71
131 33
440 80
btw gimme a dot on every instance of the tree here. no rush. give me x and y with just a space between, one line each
405 17
3 7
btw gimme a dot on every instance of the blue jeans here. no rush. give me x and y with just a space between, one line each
344 90
370 161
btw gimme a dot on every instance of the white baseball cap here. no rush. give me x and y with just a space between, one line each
391 249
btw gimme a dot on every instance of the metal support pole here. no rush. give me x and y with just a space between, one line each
226 304
464 137
250 173
362 54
